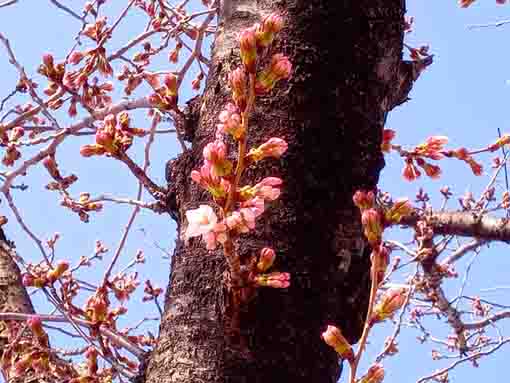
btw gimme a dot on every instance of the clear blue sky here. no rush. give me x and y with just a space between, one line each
462 95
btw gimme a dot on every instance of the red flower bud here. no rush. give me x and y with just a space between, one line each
266 259
334 338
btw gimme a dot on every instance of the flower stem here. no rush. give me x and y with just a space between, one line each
366 329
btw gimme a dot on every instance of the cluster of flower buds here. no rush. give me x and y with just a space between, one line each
279 68
257 276
95 59
151 292
173 55
433 149
253 40
267 30
242 205
41 276
215 156
374 218
95 95
34 358
464 155
371 218
113 136
97 30
143 58
124 285
230 122
97 306
165 97
11 155
83 206
133 79
10 139
216 186
420 53
149 9
60 183
53 72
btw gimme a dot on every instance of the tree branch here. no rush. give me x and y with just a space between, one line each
464 223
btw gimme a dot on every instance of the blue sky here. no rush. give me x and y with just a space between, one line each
463 95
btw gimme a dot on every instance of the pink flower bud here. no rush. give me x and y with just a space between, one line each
274 147
237 81
76 57
375 374
390 302
401 208
88 6
380 259
231 121
51 166
273 23
57 272
215 151
48 60
104 137
388 136
35 325
268 189
266 259
248 45
17 133
265 33
28 280
371 220
275 280
92 150
281 66
170 81
410 172
334 338
364 200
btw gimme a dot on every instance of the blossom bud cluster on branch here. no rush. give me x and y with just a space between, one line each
375 217
239 206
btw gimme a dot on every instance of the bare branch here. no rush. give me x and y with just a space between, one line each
465 359
461 251
68 10
7 3
487 321
465 223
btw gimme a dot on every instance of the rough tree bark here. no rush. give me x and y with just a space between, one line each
347 62
13 298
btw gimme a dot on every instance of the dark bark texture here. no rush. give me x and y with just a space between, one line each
346 56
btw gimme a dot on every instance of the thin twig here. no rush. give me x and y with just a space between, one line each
68 10
7 3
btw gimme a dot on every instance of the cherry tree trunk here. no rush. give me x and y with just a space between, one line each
346 56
